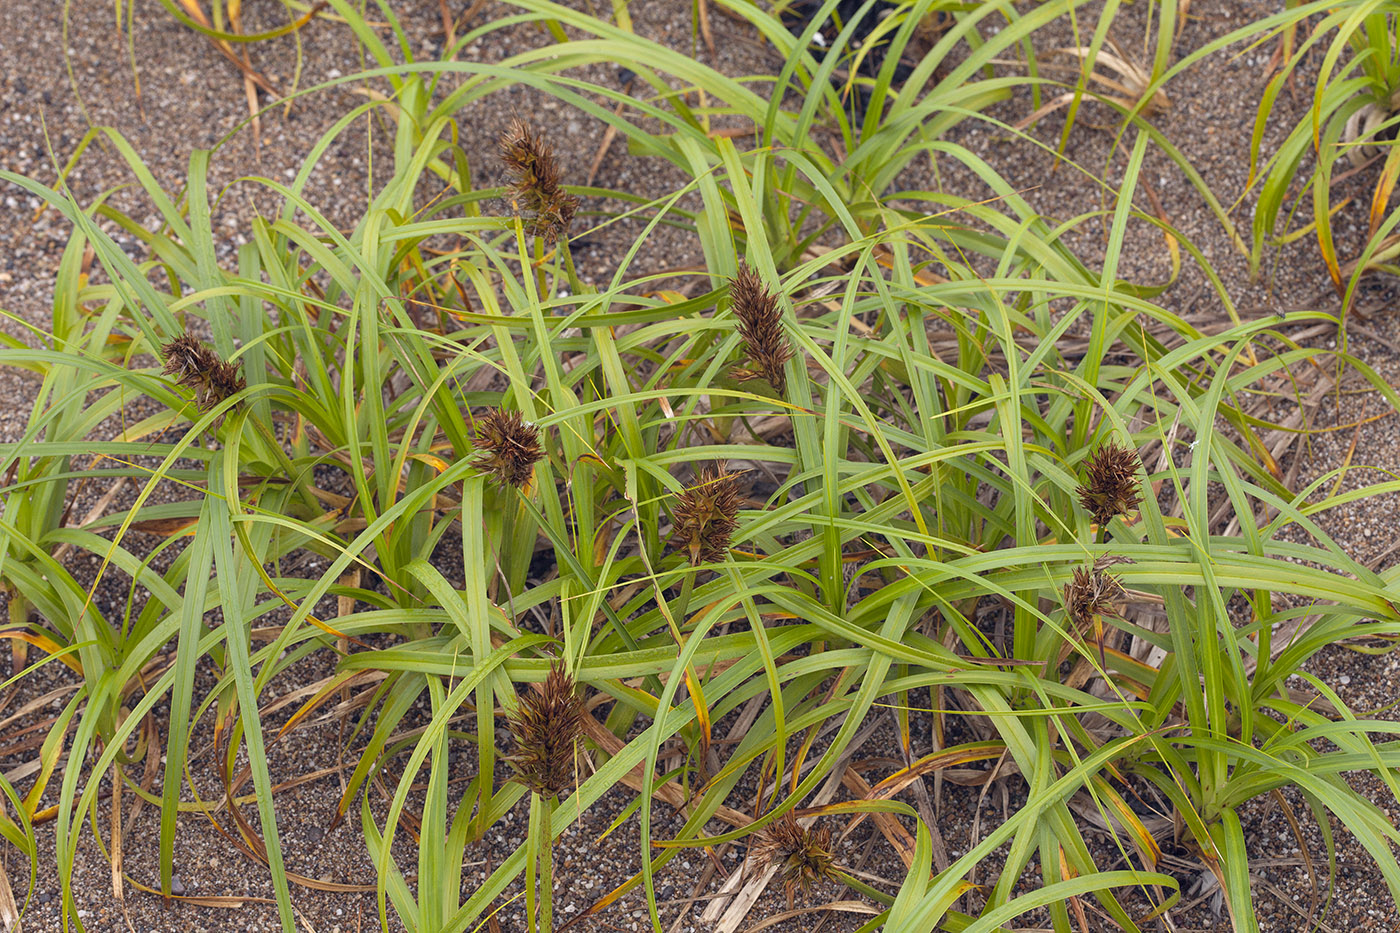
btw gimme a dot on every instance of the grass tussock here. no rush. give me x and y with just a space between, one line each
912 519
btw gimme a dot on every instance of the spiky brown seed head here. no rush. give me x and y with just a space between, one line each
224 382
706 514
186 356
1089 596
1091 592
535 183
510 446
803 855
547 724
1111 486
198 368
760 324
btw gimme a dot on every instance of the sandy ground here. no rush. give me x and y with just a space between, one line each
191 97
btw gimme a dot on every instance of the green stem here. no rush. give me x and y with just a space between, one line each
539 267
539 874
680 606
575 286
546 862
532 837
274 449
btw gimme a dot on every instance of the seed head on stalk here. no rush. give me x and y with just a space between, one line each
509 446
760 324
803 854
547 724
1111 487
543 202
198 368
706 514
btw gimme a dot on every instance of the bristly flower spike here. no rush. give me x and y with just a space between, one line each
529 160
760 324
547 724
198 368
706 514
510 447
1111 487
803 856
1089 596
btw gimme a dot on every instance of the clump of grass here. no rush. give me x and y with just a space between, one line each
1111 486
535 183
891 450
1353 115
803 854
706 515
760 324
547 725
509 447
199 369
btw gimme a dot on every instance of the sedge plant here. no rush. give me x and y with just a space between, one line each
794 491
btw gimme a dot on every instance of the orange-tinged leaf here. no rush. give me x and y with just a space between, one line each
899 838
1141 837
937 761
1385 186
1066 869
702 710
47 645
885 258
310 706
167 527
670 296
432 460
1147 846
1271 464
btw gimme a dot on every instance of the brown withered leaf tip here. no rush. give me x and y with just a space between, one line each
1089 596
547 724
1111 487
803 855
706 514
198 368
510 446
547 207
760 324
